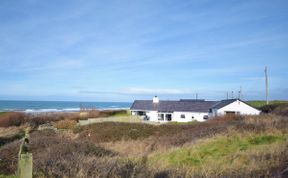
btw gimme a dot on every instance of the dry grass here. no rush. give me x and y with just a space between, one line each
141 139
226 152
12 119
8 119
65 124
55 155
9 131
227 147
9 134
48 150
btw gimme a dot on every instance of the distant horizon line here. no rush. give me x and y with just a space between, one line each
123 101
67 101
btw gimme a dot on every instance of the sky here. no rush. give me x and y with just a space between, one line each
122 50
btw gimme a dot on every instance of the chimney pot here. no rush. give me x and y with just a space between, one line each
155 99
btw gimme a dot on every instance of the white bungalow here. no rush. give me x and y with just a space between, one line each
186 110
232 107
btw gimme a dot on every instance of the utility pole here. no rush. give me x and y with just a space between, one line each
196 96
227 95
266 82
232 95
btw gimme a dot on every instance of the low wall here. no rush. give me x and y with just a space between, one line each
131 119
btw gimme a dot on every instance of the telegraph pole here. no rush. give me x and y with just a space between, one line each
266 82
196 96
227 95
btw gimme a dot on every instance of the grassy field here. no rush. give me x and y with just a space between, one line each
259 104
223 147
225 153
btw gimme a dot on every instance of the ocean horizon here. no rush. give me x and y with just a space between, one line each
59 106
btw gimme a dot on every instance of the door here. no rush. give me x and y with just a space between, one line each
230 113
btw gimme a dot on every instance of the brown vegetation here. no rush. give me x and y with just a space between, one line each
11 119
10 134
130 149
164 137
276 108
65 124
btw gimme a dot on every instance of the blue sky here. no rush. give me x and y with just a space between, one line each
121 50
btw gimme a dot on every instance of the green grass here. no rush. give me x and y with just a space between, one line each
7 176
116 113
122 113
182 123
214 150
266 139
259 104
1 113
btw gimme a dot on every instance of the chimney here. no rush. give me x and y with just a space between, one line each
155 99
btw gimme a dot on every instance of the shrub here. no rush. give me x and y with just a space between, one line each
65 124
12 119
5 140
275 108
246 146
52 152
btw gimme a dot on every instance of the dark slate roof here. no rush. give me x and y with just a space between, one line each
170 106
223 103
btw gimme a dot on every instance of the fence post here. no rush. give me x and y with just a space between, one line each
25 159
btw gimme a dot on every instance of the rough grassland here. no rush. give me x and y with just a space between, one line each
243 146
259 104
224 153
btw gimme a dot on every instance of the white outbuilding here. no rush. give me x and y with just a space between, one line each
186 110
232 107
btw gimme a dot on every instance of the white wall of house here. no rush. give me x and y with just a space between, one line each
212 113
189 116
176 116
238 107
133 113
153 115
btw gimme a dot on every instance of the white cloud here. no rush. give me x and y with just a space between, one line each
142 91
153 91
61 63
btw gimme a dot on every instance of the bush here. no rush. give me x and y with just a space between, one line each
241 146
65 124
276 108
12 119
5 140
52 152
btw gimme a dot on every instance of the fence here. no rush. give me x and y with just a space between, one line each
25 159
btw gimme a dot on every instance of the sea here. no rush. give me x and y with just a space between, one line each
59 106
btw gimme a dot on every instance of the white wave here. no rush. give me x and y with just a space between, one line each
52 110
62 109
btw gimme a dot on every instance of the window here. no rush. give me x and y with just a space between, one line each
205 117
168 117
160 117
192 117
182 116
141 113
